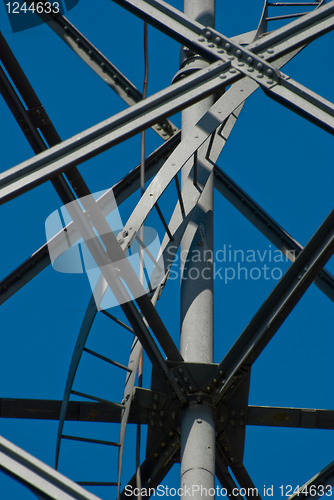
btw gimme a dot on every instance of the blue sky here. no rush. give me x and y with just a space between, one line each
282 161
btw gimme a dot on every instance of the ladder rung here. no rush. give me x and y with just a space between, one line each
89 440
118 321
146 250
195 169
288 16
94 483
179 194
170 236
293 4
99 400
97 355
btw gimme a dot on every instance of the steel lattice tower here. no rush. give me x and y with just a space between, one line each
195 411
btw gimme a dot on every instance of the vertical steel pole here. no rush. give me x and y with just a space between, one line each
197 425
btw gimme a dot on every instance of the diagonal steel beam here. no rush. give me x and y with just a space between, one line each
245 481
103 136
280 303
267 226
231 490
112 131
102 67
155 467
305 418
192 34
36 475
319 486
40 259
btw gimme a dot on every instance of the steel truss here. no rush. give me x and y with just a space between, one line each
232 63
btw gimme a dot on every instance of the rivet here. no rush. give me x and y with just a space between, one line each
161 424
180 370
242 413
78 41
208 35
90 53
163 445
215 380
211 45
173 415
201 39
199 400
221 372
270 51
103 65
156 455
125 234
260 76
239 53
225 448
191 388
152 423
227 46
182 390
218 40
241 64
232 460
171 434
250 70
155 397
232 422
176 380
270 72
65 28
222 77
208 389
199 421
155 407
233 70
250 60
259 66
185 379
241 423
231 58
269 82
220 51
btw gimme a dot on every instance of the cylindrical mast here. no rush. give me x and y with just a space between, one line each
197 425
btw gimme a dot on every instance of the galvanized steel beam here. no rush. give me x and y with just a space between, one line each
306 418
36 475
279 304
